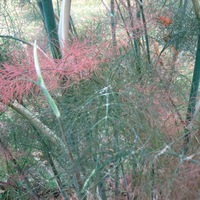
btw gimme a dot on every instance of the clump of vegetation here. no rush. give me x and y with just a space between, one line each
97 111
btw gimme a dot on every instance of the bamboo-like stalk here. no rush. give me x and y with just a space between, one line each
194 86
113 25
123 20
192 98
146 35
64 24
50 24
136 41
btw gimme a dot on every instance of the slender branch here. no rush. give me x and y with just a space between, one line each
113 25
123 20
146 35
17 39
41 127
106 6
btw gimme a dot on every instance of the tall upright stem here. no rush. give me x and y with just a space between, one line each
194 85
113 25
193 97
63 29
146 35
50 24
136 41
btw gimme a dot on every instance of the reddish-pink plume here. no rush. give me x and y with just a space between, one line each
18 78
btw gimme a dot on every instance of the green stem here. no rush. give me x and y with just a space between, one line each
50 23
113 25
136 41
193 96
146 36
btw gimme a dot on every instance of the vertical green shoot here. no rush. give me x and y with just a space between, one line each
42 85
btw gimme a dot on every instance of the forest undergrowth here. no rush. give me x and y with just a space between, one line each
121 128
